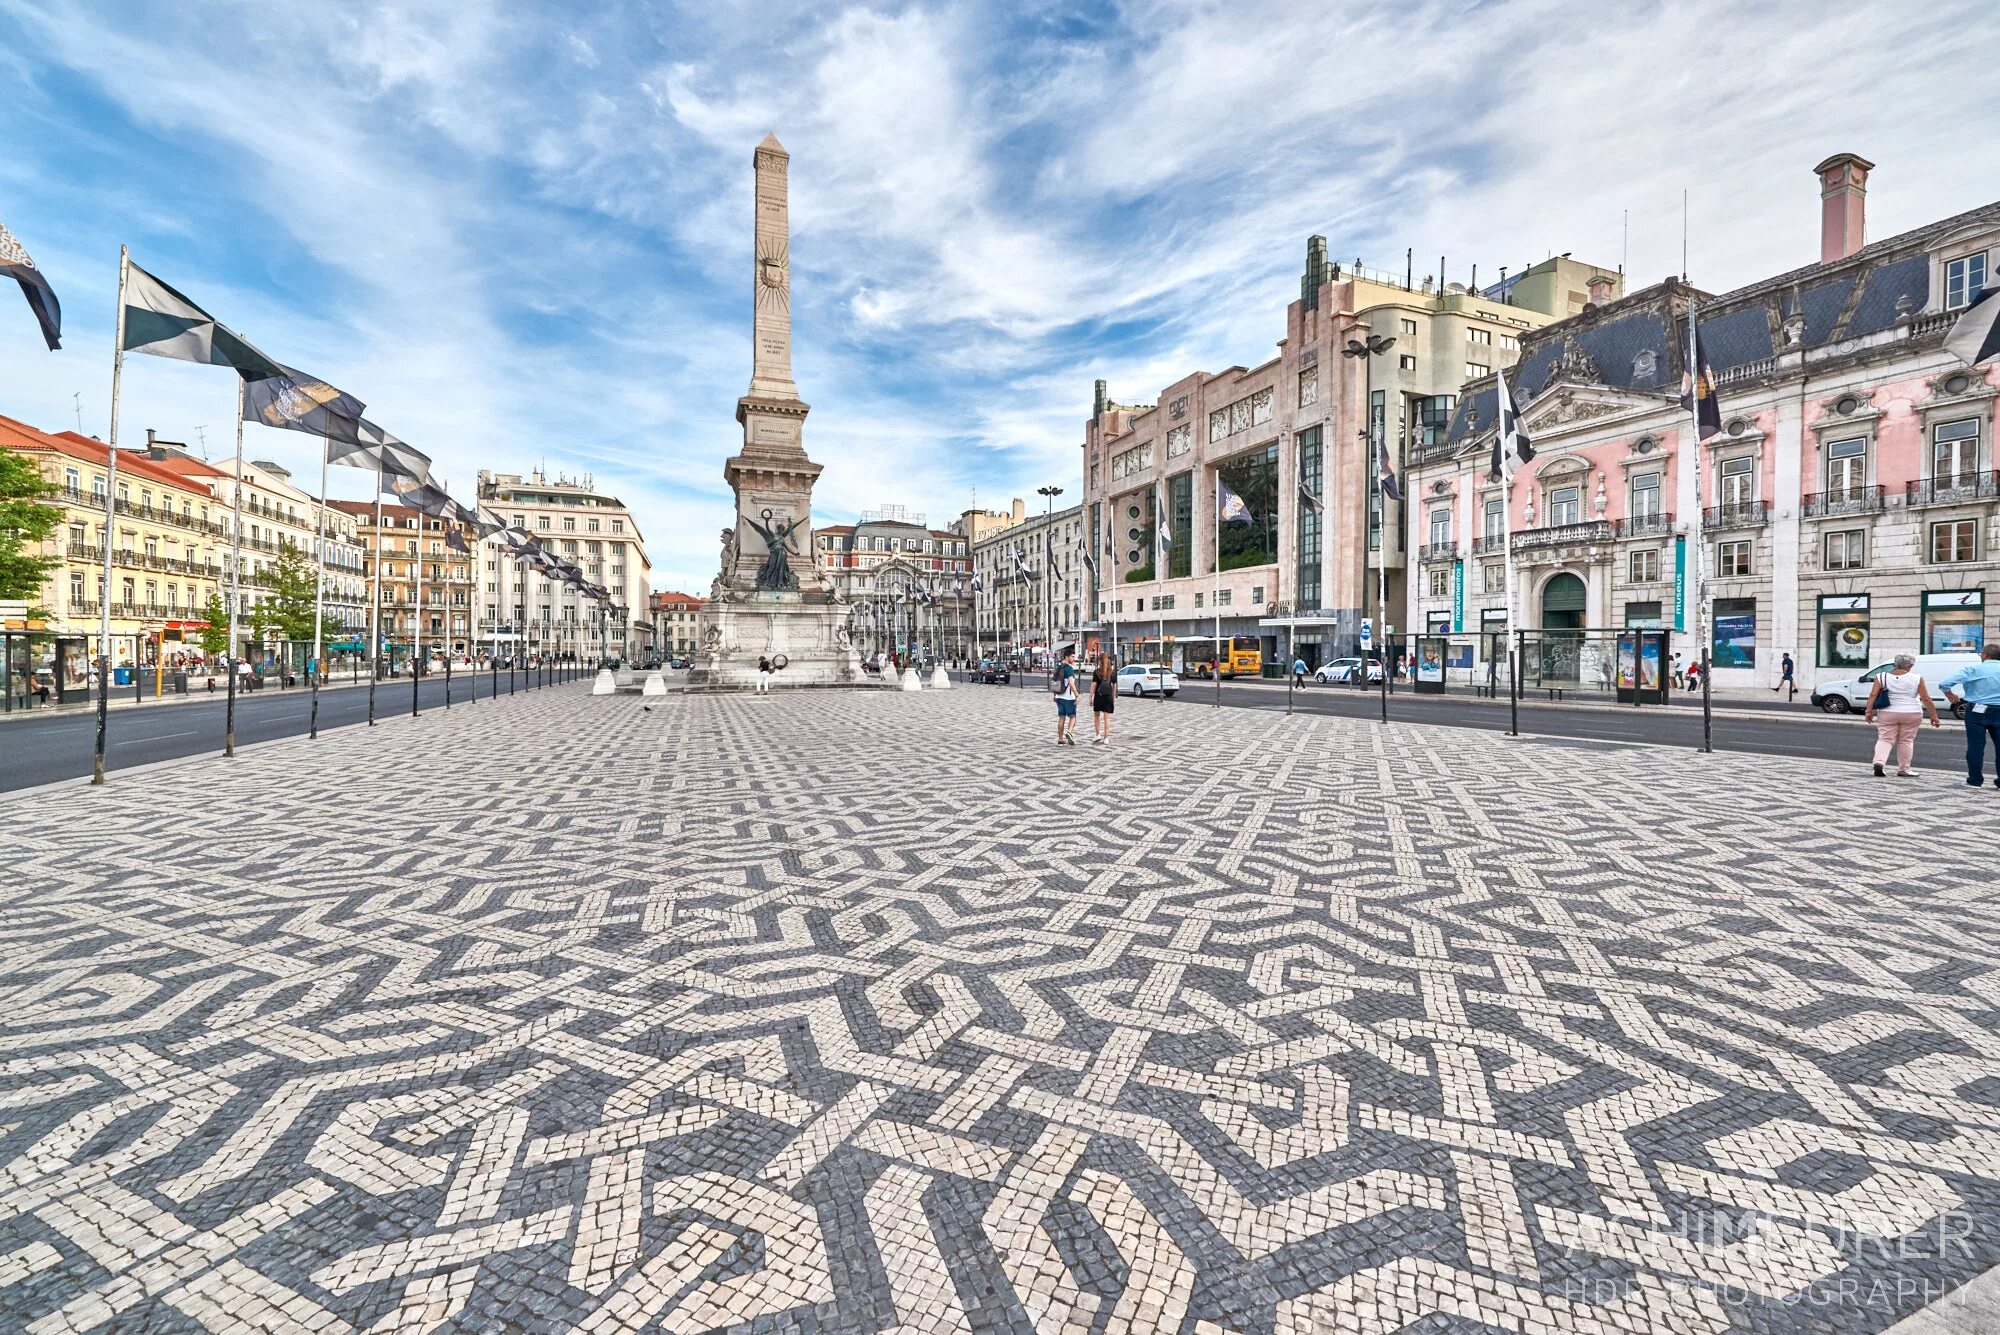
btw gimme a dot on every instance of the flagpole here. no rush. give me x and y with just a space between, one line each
1215 592
417 621
110 526
375 603
1298 551
319 591
1700 539
472 611
1507 563
235 576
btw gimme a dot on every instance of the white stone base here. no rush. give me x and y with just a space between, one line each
655 685
808 633
606 683
940 679
911 681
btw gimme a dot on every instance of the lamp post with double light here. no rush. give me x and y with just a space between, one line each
1366 350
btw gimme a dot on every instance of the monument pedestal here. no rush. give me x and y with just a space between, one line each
811 636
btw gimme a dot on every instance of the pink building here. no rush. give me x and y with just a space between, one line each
1849 509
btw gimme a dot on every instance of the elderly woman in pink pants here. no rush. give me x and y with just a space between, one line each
1896 705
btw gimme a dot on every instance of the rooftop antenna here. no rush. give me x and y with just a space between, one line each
78 398
201 434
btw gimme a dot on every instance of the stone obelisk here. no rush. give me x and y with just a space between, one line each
771 600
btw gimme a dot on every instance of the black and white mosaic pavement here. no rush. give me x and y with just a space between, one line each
873 1013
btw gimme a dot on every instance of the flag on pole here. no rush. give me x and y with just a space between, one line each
1021 563
15 264
1698 388
1229 507
1391 485
1511 446
162 322
1083 550
454 538
1160 516
1306 498
291 400
1974 338
1049 553
978 585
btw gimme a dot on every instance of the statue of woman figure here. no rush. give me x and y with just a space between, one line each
776 572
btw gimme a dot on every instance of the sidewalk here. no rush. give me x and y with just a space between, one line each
121 696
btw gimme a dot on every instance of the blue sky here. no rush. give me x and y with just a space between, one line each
521 233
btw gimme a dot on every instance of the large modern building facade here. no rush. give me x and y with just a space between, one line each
590 528
1318 550
1848 509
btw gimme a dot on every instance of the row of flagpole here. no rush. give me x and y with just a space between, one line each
154 318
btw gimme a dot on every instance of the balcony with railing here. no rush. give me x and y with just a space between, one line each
1838 501
1952 489
1562 535
1438 551
93 500
1740 514
1657 525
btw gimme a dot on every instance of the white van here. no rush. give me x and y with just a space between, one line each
1850 695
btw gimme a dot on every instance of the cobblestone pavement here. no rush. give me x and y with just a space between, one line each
865 1013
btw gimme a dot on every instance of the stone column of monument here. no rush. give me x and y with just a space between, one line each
771 600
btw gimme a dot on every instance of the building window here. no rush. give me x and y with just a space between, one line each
1565 506
70 480
1645 565
1221 597
1955 622
1440 527
1732 559
1409 329
1493 577
569 523
1846 468
1180 501
1493 522
1252 475
1643 616
1483 337
1847 550
1309 519
1954 541
1406 362
75 587
1955 451
541 521
1646 496
1474 370
1963 278
1510 343
1739 482
1440 583
1734 638
1843 631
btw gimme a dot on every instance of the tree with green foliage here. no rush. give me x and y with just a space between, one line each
26 520
215 640
290 585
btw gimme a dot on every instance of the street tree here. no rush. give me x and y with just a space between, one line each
289 584
215 639
26 520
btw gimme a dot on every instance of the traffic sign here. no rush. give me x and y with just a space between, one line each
1367 633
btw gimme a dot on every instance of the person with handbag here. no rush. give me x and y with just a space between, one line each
1896 705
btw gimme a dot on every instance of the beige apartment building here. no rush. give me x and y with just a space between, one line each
589 528
1319 550
410 544
1034 590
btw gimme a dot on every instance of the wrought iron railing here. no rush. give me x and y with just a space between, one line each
1842 501
1643 526
1953 489
1560 535
1743 514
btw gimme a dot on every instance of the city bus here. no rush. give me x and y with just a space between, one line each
1243 655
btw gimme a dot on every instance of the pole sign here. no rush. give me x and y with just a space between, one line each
1680 583
1367 634
1457 596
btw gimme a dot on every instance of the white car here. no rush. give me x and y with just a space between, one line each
1147 679
1341 671
1849 695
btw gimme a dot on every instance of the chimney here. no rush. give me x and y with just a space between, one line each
1097 405
1843 205
1020 510
1600 286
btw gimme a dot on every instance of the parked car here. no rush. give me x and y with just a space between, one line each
1849 695
1345 672
1147 679
991 671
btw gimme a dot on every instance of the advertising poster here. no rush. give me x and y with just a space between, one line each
1735 637
1957 637
1430 664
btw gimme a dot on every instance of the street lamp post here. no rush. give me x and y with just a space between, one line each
1367 350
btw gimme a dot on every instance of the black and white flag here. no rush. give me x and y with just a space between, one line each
1511 447
1975 336
15 264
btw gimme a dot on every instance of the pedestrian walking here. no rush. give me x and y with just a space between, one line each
1676 674
1694 677
763 676
1062 685
1785 669
1103 699
1299 671
1978 686
1896 706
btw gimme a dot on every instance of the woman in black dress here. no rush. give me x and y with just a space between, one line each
1103 699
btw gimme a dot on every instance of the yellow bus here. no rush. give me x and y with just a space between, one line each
1243 656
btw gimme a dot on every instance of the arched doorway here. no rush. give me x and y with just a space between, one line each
1563 600
1562 603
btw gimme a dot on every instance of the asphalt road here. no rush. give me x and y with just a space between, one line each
46 747
1811 734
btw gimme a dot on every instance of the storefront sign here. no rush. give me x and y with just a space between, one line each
1458 595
